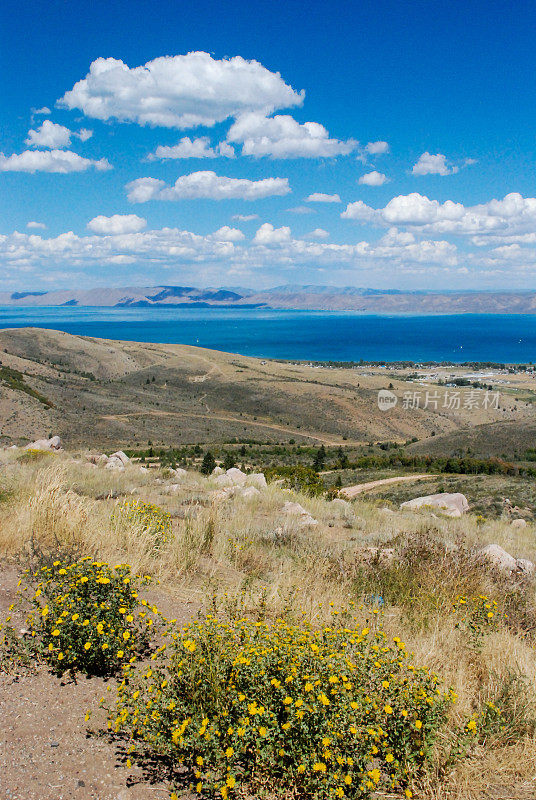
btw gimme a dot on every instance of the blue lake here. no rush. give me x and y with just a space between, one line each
308 335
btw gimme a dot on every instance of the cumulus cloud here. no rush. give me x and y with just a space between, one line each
205 185
227 234
373 178
43 111
54 136
377 148
193 148
500 221
224 249
49 134
437 164
182 91
267 235
320 197
116 224
283 137
61 161
36 225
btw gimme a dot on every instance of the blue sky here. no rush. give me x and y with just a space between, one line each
380 144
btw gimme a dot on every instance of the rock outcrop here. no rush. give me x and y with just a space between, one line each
304 518
117 460
235 477
451 505
51 445
504 562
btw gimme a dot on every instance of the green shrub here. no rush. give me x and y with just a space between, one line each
299 478
314 713
86 616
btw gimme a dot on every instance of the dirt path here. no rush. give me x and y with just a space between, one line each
227 418
359 488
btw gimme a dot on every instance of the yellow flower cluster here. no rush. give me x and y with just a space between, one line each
338 711
478 615
151 518
87 616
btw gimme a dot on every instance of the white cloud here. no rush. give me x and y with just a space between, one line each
373 178
118 223
377 148
54 136
226 248
193 148
437 164
49 134
499 221
360 211
205 185
320 197
43 111
318 233
84 134
36 225
267 235
283 137
227 234
301 210
245 217
182 91
62 161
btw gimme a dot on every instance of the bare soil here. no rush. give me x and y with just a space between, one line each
47 750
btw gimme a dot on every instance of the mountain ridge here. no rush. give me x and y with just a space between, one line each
290 297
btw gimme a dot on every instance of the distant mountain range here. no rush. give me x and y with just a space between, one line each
321 298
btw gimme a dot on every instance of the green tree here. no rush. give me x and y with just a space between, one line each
343 458
320 459
229 461
209 462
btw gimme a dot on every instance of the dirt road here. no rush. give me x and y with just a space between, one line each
349 492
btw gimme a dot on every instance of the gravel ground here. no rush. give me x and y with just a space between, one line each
47 750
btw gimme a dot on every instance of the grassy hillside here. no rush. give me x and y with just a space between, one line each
127 394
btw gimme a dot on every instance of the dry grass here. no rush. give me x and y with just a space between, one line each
250 549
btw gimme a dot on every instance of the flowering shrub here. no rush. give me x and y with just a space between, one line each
324 713
86 616
478 616
151 518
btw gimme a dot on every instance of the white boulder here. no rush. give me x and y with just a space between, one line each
344 505
257 479
123 458
233 477
504 561
518 523
498 556
525 566
451 505
249 493
52 445
217 471
114 463
305 520
294 508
